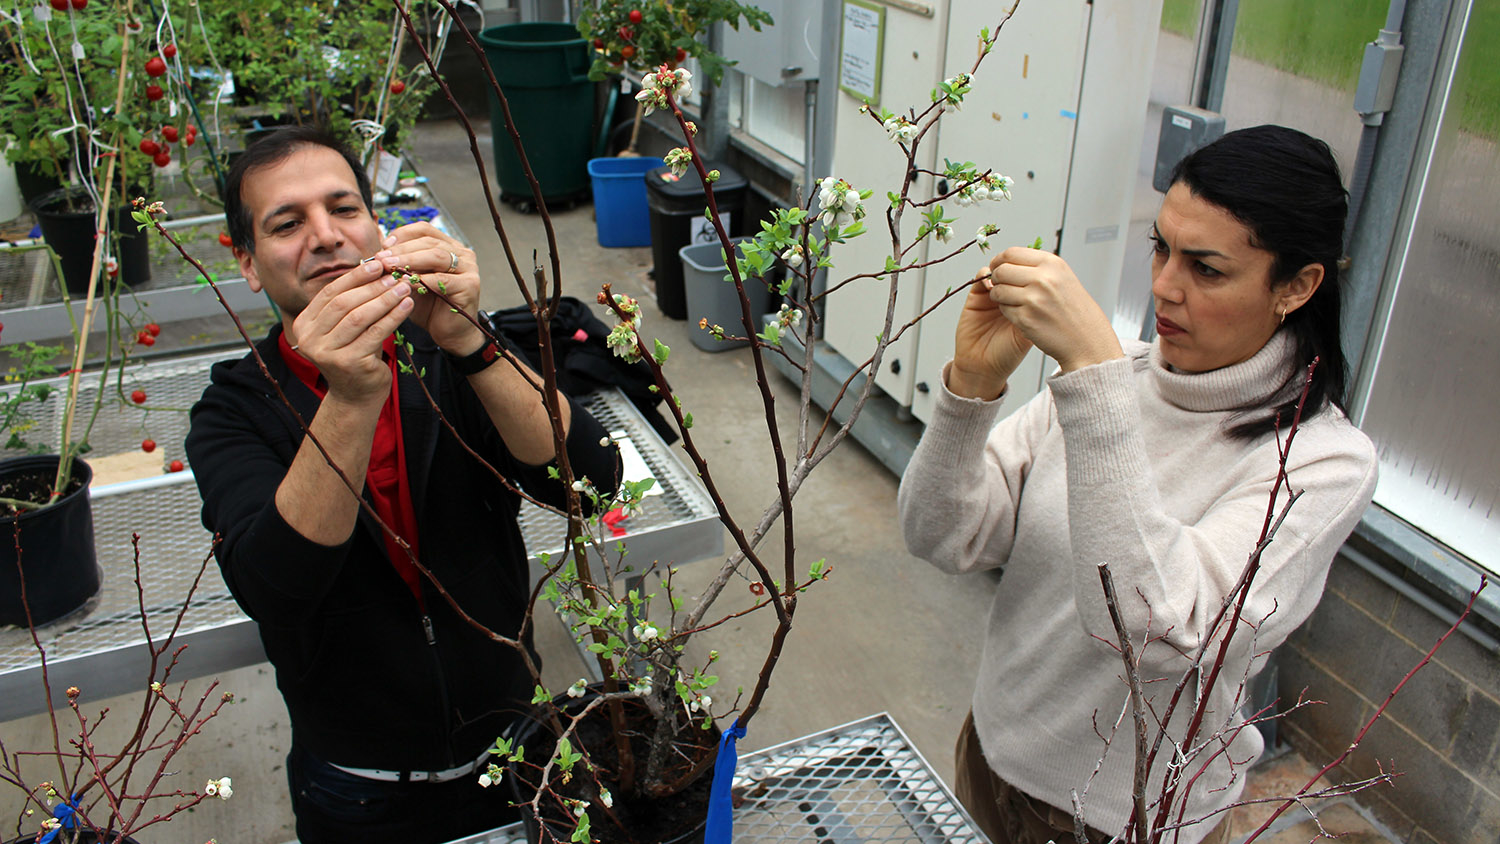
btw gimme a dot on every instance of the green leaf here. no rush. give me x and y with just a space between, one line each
1036 244
687 420
541 695
661 351
816 569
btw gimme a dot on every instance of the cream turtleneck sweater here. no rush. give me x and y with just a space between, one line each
1126 462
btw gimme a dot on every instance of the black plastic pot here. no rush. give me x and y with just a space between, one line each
85 837
34 182
530 733
56 544
67 220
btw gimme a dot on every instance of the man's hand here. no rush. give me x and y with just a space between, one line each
341 331
448 266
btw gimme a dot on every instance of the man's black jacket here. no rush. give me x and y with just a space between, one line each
364 686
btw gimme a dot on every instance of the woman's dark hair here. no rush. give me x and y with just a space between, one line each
273 149
1285 187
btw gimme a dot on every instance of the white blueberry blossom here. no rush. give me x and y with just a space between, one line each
679 159
982 237
655 87
219 788
899 129
793 256
607 799
491 776
943 232
645 632
622 338
958 86
839 203
999 186
579 688
789 317
641 686
701 703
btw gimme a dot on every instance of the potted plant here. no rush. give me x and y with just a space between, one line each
80 788
353 83
648 732
642 35
79 93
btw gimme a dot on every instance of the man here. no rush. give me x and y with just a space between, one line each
393 695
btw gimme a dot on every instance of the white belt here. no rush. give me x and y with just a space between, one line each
417 776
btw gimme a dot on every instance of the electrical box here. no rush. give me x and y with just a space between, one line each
783 53
1183 130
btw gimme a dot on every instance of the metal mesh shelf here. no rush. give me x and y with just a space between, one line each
100 647
860 783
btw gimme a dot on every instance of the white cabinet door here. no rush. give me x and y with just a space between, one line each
1019 121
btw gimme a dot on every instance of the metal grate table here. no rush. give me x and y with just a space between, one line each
860 783
102 646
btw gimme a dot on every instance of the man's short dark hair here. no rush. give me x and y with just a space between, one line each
273 149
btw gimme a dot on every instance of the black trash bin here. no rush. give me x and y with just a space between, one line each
677 220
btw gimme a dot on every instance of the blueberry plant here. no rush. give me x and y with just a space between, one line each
661 698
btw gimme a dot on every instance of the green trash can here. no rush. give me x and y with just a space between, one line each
543 69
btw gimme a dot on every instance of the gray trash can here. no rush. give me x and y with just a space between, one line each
710 297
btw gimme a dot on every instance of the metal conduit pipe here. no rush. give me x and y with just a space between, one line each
1445 614
1372 99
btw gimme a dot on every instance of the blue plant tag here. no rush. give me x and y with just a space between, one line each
720 826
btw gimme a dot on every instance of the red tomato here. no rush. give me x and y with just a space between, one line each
60 5
398 86
170 51
175 466
155 66
148 445
627 51
162 158
224 239
154 329
139 396
154 92
149 146
170 133
635 16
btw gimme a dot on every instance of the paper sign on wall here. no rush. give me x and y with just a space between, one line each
861 48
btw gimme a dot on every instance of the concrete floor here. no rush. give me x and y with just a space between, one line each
884 633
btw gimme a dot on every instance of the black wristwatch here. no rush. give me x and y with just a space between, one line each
475 361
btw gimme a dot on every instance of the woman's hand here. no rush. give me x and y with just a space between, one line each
987 347
1040 297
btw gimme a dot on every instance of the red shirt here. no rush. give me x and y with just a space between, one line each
390 492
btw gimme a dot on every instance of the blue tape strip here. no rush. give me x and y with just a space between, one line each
1071 115
64 812
720 826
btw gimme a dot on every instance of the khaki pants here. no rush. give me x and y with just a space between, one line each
1009 816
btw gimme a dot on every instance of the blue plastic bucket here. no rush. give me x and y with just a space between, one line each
620 211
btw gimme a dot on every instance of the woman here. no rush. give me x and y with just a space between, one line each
1157 459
